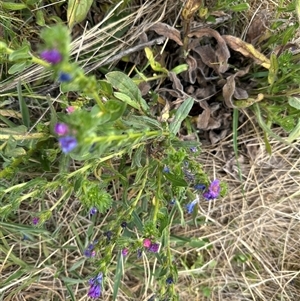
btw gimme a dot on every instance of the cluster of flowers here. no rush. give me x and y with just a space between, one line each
67 142
211 193
96 282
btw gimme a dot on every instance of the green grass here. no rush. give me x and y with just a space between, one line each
146 128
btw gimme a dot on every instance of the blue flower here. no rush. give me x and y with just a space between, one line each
172 202
166 169
193 149
89 251
199 186
124 225
64 77
139 253
169 280
67 143
95 286
190 206
52 56
93 211
214 190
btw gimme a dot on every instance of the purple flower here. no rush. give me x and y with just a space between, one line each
213 190
52 56
123 225
67 143
89 251
35 220
125 252
64 77
190 206
95 286
93 211
153 248
172 202
61 129
193 149
139 253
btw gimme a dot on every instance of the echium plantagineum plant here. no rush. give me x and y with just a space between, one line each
156 177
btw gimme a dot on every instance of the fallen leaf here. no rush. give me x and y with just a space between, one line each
167 31
205 120
247 50
257 27
222 53
229 88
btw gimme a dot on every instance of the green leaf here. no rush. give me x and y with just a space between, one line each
19 67
181 114
156 66
40 20
20 54
13 6
77 11
176 181
126 99
273 69
126 85
23 106
118 276
240 7
180 68
115 108
295 134
294 102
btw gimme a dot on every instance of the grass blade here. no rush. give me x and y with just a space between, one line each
23 106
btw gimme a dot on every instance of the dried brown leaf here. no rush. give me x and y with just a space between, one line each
257 27
205 121
222 53
247 50
208 56
229 88
167 31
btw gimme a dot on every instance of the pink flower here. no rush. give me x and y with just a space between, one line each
147 243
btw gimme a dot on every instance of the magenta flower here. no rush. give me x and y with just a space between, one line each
147 243
51 56
214 190
61 129
35 220
95 286
125 252
67 143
